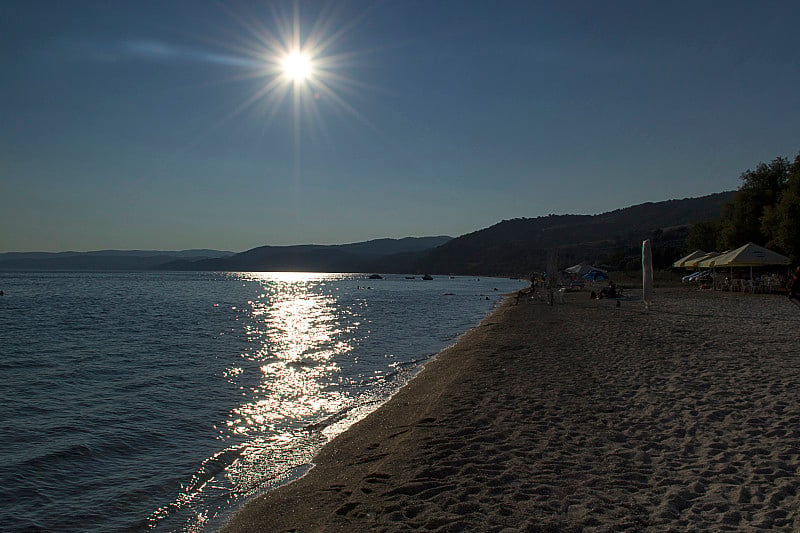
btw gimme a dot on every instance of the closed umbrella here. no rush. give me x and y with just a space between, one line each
647 274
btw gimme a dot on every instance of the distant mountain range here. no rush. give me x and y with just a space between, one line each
356 257
101 260
511 247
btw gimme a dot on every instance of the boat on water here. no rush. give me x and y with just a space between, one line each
427 277
376 276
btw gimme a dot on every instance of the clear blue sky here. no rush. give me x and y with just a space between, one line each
146 124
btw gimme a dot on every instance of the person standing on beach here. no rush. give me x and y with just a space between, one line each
794 288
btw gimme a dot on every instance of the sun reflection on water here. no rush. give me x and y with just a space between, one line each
305 365
301 365
289 375
291 387
296 336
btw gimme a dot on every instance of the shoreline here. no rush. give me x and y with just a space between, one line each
571 417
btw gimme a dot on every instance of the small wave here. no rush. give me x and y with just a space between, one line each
213 466
70 453
302 364
410 362
209 469
338 416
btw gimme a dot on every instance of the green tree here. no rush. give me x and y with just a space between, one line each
762 188
781 222
703 236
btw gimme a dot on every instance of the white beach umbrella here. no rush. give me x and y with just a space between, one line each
579 270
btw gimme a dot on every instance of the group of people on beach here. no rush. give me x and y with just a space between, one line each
541 286
606 292
611 290
546 287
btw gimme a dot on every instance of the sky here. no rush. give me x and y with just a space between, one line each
174 125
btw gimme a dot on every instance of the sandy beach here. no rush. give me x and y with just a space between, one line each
582 416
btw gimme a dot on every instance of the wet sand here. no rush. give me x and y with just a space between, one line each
582 416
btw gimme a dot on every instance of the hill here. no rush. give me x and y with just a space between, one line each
101 259
610 239
355 257
510 247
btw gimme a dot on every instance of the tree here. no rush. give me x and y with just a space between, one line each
703 236
762 188
781 222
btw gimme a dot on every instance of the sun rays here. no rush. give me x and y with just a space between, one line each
287 65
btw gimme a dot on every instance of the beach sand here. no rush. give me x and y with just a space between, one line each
582 416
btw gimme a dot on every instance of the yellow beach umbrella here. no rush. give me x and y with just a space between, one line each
701 262
751 255
680 263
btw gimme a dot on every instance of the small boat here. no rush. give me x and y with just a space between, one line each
376 276
410 277
427 277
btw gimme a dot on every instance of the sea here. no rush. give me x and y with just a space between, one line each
161 401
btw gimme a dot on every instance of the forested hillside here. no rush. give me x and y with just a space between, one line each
610 239
764 210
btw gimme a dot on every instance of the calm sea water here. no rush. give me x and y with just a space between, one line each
161 401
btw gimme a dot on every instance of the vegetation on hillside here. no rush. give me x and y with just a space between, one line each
764 210
610 240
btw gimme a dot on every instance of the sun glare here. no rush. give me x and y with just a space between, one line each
296 66
308 69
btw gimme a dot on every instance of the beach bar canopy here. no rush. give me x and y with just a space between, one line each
702 261
749 255
694 255
710 260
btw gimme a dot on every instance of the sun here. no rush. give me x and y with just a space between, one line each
308 69
297 66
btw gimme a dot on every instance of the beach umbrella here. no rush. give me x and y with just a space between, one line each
709 262
680 263
595 274
647 274
579 270
750 255
703 261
